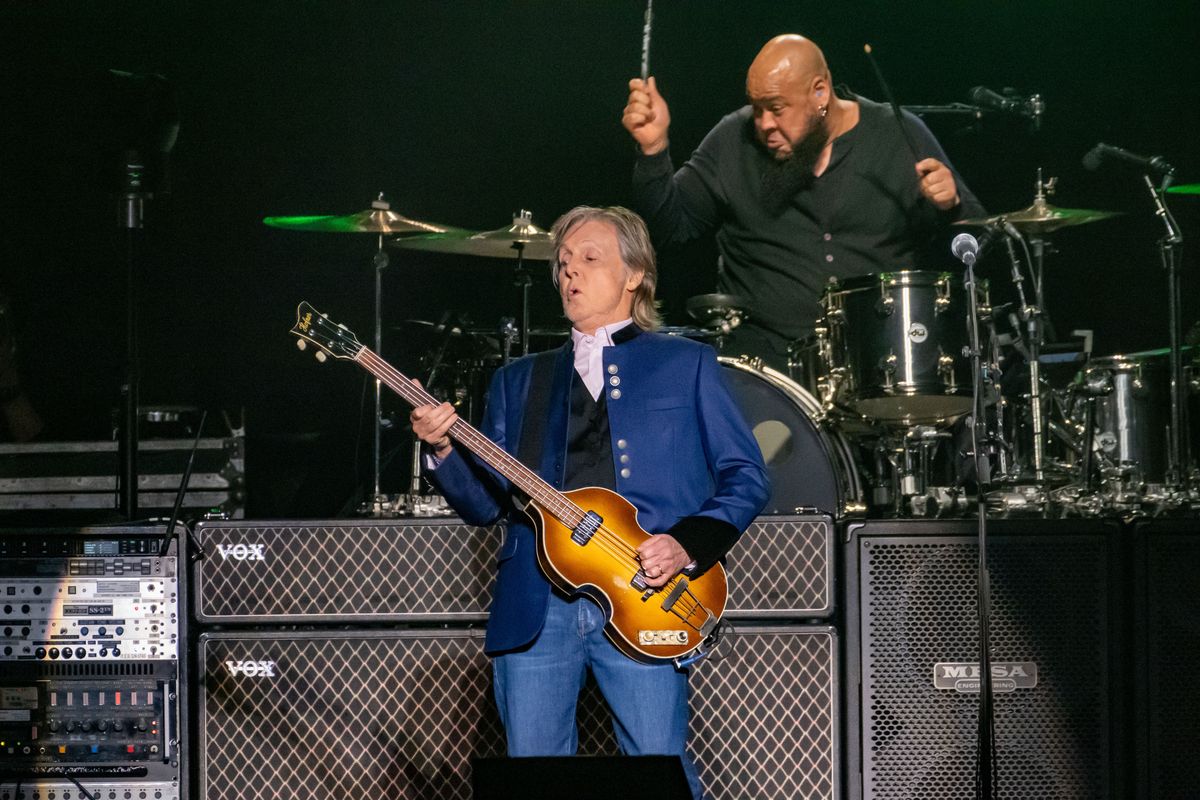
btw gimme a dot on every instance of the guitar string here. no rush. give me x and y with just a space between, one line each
560 507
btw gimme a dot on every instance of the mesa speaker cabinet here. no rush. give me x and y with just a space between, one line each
441 570
1167 635
912 658
400 714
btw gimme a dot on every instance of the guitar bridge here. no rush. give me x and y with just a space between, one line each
673 596
586 529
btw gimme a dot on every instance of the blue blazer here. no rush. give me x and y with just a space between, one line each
680 444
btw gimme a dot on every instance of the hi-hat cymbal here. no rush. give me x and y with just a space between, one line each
722 312
1186 188
1042 218
521 238
378 219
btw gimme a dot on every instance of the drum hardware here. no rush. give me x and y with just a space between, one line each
522 240
1170 251
381 221
720 313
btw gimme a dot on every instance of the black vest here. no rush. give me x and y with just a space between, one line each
589 445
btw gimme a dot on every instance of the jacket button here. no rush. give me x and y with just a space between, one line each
615 394
625 472
612 369
614 380
624 458
622 444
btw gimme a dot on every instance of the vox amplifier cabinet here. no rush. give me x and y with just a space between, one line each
400 714
441 570
1057 649
783 568
89 664
421 570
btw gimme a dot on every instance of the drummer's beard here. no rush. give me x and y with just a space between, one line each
783 180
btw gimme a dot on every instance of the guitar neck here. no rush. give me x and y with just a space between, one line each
491 453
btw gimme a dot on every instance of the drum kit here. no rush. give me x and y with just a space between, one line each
873 414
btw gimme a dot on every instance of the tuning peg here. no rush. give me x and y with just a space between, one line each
320 356
301 344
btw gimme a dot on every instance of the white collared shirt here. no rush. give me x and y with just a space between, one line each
589 355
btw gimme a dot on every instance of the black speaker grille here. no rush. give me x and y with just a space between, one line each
419 570
782 567
1049 606
1171 632
400 715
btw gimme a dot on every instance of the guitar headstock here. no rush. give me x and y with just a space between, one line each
334 339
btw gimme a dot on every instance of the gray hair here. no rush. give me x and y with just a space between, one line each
636 251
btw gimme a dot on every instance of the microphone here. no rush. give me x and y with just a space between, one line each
965 248
1030 107
1102 152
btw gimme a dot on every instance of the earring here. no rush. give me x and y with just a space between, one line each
824 110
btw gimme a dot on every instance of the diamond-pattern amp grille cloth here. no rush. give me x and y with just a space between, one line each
400 716
782 567
419 570
442 570
918 609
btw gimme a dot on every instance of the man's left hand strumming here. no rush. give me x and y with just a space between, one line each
662 558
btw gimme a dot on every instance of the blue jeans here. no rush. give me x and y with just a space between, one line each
537 689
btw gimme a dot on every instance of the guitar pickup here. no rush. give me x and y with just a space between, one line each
586 529
639 581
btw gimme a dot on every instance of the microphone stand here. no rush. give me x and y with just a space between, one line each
985 738
131 218
1170 250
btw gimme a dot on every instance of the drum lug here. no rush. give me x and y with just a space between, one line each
889 371
942 301
887 302
946 371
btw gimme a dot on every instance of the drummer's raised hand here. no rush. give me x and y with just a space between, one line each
937 183
646 116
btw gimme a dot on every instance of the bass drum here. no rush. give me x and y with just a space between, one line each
809 465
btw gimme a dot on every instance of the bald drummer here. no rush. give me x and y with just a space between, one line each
804 183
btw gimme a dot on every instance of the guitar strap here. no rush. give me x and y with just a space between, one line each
537 407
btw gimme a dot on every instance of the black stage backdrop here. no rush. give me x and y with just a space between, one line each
463 113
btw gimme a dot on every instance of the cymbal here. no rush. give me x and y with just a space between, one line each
378 219
1042 218
521 238
1186 188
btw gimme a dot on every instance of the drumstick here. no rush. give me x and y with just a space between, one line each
646 40
887 93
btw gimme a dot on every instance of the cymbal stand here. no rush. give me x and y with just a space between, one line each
1170 249
376 505
380 261
523 281
1032 316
